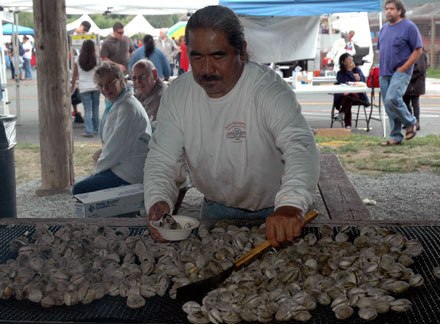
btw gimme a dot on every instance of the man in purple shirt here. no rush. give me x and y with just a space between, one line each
400 46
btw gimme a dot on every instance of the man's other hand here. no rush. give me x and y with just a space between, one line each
284 225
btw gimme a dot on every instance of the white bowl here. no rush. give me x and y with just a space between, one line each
187 223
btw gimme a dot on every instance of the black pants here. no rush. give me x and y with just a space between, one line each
413 104
346 104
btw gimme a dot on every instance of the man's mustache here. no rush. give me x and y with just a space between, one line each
208 78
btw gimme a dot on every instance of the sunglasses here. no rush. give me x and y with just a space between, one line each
120 32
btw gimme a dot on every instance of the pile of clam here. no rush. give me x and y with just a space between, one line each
81 263
361 276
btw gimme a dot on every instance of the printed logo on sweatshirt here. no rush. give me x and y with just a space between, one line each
236 131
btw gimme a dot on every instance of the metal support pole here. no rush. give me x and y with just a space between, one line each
432 62
16 67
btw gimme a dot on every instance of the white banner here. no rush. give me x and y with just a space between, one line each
281 39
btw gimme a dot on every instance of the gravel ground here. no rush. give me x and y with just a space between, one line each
409 196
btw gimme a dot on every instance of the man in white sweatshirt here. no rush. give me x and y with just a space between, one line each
238 128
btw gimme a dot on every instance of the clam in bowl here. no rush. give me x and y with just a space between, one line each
186 224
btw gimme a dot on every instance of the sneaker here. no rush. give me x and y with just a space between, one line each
87 135
347 127
340 117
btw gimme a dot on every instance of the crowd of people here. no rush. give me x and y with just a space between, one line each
403 65
222 124
20 65
234 126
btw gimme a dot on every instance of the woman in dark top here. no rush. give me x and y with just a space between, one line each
416 87
349 72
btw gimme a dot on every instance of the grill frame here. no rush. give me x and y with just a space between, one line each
425 299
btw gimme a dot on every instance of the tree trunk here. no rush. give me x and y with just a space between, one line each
56 145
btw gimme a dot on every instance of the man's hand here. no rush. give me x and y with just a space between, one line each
283 225
155 213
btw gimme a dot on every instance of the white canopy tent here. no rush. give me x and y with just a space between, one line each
140 25
93 29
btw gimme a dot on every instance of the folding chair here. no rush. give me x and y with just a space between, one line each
337 116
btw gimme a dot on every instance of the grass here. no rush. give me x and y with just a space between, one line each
28 160
433 73
358 154
363 154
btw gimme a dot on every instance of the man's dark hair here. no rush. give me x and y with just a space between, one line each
87 56
399 6
218 18
148 45
117 25
86 25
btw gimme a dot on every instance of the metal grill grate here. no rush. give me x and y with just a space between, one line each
425 309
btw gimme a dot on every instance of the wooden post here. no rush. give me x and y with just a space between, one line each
53 105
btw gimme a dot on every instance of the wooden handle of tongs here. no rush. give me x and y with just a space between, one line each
260 248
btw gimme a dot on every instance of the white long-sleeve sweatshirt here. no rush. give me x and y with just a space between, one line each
250 149
125 135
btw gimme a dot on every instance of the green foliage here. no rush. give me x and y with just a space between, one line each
26 19
162 21
107 21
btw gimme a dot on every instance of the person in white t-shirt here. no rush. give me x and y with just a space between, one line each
238 128
27 56
83 70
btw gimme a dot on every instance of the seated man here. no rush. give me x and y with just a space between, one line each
149 87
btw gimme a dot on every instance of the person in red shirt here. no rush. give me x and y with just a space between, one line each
184 62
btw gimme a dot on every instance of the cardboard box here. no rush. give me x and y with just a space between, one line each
110 202
333 132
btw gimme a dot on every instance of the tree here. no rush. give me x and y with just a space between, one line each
56 145
26 19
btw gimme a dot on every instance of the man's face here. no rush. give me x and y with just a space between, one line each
215 64
392 14
162 34
143 80
118 33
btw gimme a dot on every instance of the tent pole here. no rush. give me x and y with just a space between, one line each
16 66
4 78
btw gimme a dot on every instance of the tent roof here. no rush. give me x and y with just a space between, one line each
93 29
126 7
9 29
140 25
299 7
177 30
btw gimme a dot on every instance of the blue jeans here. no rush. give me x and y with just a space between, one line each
90 101
212 209
393 88
27 68
98 181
